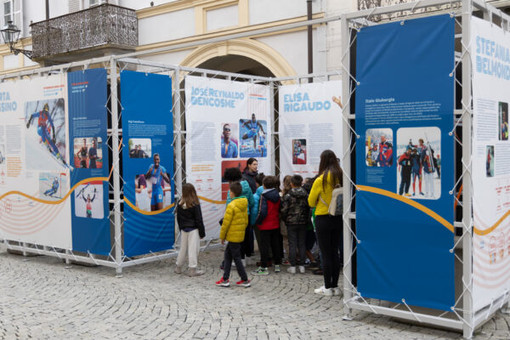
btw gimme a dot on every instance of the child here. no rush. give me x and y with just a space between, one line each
295 213
268 222
191 225
254 211
233 228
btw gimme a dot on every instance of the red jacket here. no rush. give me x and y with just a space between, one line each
269 213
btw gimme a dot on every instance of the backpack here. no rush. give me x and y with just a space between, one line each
336 205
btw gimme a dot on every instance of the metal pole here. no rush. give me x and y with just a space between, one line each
346 164
310 39
116 169
467 249
178 141
47 10
177 124
273 120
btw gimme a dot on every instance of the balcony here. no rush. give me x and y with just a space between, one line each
94 32
368 4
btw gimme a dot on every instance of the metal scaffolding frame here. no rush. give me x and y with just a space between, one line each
462 316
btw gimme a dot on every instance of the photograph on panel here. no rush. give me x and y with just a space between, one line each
419 162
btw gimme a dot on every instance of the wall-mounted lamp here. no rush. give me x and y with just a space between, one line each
10 34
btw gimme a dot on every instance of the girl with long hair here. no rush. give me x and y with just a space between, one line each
191 225
329 228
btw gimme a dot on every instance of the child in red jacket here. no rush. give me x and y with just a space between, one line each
268 222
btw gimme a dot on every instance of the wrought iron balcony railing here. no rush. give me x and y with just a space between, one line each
368 4
96 28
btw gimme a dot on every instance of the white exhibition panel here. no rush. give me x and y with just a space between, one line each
490 53
310 122
211 106
31 211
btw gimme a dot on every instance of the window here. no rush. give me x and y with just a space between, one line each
7 11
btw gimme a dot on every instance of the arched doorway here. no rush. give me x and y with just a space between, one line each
245 56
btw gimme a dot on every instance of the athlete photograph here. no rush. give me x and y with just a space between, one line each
229 144
52 185
379 148
252 133
159 179
417 154
88 200
2 154
88 153
140 148
45 141
299 151
503 121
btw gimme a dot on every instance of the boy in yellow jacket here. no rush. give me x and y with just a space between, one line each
233 228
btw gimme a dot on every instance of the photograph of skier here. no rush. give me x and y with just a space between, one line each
253 136
45 123
417 173
52 186
379 147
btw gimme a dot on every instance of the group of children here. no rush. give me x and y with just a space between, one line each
265 211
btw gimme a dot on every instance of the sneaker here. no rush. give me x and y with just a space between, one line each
277 268
323 291
302 269
261 271
286 263
243 283
291 270
318 272
336 291
178 270
223 283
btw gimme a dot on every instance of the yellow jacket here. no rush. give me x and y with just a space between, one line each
325 195
235 220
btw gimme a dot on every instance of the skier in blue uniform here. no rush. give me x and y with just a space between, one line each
44 127
54 187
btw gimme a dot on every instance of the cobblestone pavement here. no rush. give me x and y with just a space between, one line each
40 299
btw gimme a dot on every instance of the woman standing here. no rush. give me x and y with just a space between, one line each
329 228
250 172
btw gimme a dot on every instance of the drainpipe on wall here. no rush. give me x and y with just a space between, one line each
310 40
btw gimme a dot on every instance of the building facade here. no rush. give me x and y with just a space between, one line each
194 33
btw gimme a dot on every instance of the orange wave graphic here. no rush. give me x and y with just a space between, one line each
92 179
211 201
408 201
494 226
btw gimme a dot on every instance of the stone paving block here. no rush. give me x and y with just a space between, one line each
41 299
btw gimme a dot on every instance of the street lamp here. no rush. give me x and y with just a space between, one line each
10 34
